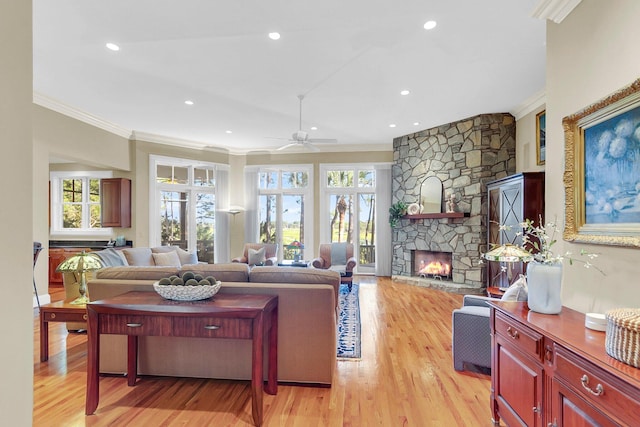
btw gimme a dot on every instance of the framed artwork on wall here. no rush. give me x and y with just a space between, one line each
602 171
541 141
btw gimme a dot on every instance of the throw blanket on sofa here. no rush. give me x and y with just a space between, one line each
110 257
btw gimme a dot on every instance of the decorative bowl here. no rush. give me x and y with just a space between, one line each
187 293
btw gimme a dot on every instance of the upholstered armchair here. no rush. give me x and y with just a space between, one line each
471 333
337 257
259 254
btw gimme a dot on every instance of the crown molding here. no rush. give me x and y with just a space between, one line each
67 110
554 10
530 105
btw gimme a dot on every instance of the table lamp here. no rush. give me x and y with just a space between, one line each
508 253
81 263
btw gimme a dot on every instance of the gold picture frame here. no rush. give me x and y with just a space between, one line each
602 171
541 137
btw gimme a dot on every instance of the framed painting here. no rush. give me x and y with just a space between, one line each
541 141
602 171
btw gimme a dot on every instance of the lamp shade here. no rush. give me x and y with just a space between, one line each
80 263
508 253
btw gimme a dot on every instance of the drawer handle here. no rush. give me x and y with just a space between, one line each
513 333
212 327
134 325
585 383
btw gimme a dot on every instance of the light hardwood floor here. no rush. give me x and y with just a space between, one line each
405 378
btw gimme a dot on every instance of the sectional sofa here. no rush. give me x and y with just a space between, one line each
307 323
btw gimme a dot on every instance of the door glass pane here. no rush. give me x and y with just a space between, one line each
294 179
205 226
341 224
366 223
340 178
173 218
293 226
268 180
267 218
204 177
72 215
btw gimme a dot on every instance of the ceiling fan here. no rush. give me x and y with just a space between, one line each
301 138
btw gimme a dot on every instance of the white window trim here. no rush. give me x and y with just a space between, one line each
154 202
56 178
307 192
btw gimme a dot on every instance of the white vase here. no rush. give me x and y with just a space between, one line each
544 282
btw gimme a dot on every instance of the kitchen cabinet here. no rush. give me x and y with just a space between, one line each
56 256
115 196
511 200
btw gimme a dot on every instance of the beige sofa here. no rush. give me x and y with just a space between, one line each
307 322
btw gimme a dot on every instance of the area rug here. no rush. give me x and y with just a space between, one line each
349 323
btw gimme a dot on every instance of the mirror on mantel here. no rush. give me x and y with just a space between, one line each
431 195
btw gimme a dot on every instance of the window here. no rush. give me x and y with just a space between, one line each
348 210
76 202
184 195
285 208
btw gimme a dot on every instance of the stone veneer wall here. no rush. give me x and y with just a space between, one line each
465 155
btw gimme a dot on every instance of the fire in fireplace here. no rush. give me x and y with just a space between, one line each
432 264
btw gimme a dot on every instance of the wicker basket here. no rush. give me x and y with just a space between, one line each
622 339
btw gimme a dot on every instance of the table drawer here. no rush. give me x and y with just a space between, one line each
57 316
134 325
527 340
599 388
212 327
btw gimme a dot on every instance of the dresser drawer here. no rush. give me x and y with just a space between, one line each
601 389
134 325
527 340
212 327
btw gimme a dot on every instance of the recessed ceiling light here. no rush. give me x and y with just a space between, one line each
430 25
188 102
416 123
228 131
392 125
404 92
314 128
113 46
274 36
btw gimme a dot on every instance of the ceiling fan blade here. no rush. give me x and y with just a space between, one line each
310 146
279 139
322 140
284 147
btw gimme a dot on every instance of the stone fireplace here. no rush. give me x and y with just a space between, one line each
432 264
464 155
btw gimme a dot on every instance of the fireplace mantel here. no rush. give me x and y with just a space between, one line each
437 215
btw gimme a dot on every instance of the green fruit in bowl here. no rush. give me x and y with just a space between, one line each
211 279
173 277
164 281
191 282
198 277
187 275
204 282
177 282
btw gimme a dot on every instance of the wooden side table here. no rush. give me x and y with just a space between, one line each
59 311
135 314
494 292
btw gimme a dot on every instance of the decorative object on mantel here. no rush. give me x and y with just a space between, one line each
397 211
413 209
544 272
622 339
452 205
81 263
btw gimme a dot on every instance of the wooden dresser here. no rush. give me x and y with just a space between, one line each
549 370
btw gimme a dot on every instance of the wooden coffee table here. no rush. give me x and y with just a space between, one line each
224 316
59 311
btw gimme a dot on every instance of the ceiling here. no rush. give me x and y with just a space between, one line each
350 59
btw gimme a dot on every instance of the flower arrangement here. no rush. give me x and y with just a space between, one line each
538 241
295 245
397 211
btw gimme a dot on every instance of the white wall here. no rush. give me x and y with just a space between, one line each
591 54
16 259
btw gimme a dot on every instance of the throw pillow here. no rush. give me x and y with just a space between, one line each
256 256
517 291
168 259
138 256
187 257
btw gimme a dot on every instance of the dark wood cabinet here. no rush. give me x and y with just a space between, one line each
115 194
549 370
511 200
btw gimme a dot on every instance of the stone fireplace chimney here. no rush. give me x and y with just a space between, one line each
464 155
